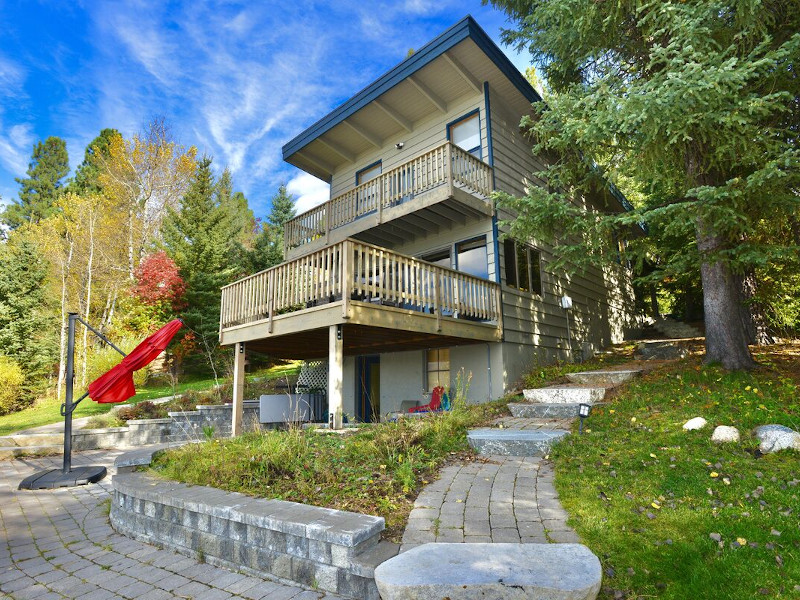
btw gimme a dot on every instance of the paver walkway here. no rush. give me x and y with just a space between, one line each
493 499
59 544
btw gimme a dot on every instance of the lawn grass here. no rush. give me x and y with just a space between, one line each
646 496
374 469
47 410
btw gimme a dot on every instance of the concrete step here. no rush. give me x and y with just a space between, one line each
364 564
563 394
469 571
603 378
15 451
514 442
540 410
31 439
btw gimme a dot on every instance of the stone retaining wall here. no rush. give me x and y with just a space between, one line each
316 547
177 427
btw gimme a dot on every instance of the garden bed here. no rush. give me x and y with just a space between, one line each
374 469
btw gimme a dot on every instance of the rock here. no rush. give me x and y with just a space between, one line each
696 423
715 536
774 438
513 571
724 434
661 350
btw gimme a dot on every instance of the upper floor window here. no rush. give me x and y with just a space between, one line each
472 257
466 133
368 172
523 266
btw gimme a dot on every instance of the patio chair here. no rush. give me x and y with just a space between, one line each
434 405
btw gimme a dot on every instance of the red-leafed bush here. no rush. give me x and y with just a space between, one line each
158 282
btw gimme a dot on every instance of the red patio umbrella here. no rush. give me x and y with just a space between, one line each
116 385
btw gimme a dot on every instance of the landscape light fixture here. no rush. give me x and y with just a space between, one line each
583 412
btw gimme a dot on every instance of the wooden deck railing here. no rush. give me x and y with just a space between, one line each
444 165
370 274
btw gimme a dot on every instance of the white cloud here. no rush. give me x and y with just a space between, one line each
15 147
309 190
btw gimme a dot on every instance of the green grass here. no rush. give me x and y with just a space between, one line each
47 410
375 469
645 495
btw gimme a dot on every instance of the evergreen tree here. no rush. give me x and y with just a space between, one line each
268 246
241 218
696 99
27 333
87 174
39 191
198 236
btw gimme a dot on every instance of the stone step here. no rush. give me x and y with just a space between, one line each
514 442
469 571
31 439
364 564
15 451
603 378
541 410
568 395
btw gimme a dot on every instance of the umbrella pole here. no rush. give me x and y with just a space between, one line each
67 408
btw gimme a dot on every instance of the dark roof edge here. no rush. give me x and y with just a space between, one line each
465 28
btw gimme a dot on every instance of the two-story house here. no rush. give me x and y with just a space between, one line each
403 278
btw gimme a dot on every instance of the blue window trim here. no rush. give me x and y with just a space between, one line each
464 29
368 167
470 114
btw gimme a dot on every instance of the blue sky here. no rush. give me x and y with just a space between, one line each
235 79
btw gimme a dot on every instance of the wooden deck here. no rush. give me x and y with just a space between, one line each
384 300
433 179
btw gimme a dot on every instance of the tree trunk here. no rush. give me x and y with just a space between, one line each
726 338
89 277
753 319
62 349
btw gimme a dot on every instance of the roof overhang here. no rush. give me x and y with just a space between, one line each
456 63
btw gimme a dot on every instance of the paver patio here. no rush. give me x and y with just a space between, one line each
59 544
492 499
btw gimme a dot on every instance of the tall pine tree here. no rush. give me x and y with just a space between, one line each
40 190
87 174
198 236
27 332
268 247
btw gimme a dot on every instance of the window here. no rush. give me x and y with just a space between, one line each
466 134
523 267
439 257
369 172
472 257
367 198
438 368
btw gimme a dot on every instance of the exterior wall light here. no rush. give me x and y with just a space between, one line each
583 412
399 145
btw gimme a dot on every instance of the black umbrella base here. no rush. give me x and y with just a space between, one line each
56 478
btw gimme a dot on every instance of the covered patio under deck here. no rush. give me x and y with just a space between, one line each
352 299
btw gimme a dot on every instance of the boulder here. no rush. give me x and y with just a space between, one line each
777 437
724 434
696 423
481 571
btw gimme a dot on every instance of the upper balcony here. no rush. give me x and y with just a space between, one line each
432 191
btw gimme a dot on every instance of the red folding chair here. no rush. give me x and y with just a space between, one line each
433 405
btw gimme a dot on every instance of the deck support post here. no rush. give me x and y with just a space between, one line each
238 388
335 376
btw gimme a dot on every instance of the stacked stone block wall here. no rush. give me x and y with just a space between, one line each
316 547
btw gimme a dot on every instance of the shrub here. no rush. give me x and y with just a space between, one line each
12 379
142 410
